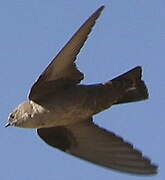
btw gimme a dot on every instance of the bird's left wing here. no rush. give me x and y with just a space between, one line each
92 143
62 70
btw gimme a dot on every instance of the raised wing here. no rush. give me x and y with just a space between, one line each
62 70
92 143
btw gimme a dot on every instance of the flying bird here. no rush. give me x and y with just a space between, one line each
61 109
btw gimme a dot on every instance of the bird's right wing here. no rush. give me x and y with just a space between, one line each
92 143
62 70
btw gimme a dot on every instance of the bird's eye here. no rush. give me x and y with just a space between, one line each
12 116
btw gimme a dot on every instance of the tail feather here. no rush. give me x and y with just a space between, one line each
137 91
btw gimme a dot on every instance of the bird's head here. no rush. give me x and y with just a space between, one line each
21 116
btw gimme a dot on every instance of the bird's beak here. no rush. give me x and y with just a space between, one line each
7 124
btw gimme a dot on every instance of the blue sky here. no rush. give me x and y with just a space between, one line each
128 33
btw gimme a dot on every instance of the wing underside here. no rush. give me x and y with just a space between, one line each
92 143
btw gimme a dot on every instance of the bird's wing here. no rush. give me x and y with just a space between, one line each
62 70
92 143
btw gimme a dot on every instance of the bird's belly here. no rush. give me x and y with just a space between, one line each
72 105
61 114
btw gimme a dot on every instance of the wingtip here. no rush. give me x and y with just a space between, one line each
100 8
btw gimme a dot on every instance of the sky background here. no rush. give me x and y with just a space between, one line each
128 33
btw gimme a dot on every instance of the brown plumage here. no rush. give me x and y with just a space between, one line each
61 109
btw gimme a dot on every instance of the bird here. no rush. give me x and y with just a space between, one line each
61 109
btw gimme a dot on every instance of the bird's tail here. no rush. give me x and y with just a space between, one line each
137 90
